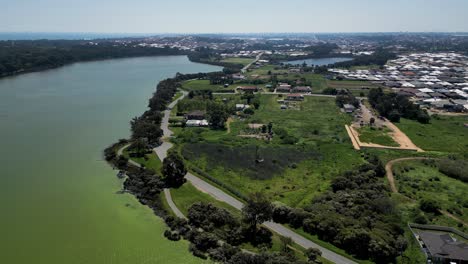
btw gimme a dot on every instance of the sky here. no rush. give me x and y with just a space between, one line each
239 16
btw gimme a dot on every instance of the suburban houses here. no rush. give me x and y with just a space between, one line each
437 81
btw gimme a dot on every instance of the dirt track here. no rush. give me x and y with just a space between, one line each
389 171
391 180
397 135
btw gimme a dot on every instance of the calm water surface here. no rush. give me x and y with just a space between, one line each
58 197
321 61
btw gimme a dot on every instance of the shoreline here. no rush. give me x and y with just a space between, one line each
43 69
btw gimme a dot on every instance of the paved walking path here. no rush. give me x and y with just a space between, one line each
172 205
220 195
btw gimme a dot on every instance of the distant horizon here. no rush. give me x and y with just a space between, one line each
30 35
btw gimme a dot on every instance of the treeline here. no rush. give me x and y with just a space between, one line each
215 233
26 56
379 57
148 125
209 56
357 215
394 106
322 50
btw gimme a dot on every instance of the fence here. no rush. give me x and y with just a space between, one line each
439 228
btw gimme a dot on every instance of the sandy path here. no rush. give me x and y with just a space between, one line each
391 180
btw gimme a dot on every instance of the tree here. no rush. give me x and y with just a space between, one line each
394 116
429 206
140 147
257 210
217 114
270 127
312 254
286 242
174 170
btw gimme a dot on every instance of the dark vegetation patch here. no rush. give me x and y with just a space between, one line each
253 161
357 215
454 168
394 106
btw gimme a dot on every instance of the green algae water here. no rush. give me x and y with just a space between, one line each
59 201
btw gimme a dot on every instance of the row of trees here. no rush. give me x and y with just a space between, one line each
33 55
214 232
394 106
379 57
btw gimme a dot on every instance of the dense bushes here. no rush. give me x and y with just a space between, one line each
244 159
394 106
457 169
356 215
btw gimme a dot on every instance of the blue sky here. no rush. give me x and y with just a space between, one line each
211 16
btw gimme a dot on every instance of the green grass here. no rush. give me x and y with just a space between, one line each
195 85
444 133
377 136
243 61
418 180
319 126
151 161
187 194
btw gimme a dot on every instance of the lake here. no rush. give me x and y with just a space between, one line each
320 61
58 197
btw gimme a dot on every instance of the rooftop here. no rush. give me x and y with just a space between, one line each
443 245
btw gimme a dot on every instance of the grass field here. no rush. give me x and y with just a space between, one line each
196 85
319 127
419 180
243 61
444 133
151 161
187 194
377 136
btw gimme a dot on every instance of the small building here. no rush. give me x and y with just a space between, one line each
195 115
443 248
295 97
283 89
302 89
348 108
240 107
238 76
196 123
248 88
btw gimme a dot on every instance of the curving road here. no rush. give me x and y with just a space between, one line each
220 195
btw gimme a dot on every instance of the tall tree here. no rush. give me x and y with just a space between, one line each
257 210
174 170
